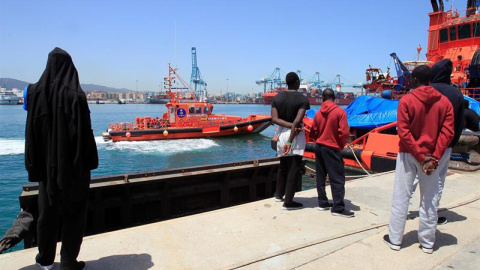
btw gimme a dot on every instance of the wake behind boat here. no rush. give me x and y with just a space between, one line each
185 120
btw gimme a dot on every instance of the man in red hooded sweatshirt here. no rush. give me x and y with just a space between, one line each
330 133
425 129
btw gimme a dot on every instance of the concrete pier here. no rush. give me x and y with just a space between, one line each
261 235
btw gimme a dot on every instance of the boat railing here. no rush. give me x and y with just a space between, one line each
399 94
472 93
134 126
453 14
121 126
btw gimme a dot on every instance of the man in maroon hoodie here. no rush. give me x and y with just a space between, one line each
425 129
330 132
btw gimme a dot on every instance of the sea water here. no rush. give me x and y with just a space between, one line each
129 157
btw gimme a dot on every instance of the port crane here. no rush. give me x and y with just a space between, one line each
392 87
196 81
403 74
337 84
275 80
317 81
299 73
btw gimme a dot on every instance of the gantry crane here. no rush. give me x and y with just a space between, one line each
196 81
275 80
337 84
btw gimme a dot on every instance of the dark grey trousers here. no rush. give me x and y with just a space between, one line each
288 175
329 161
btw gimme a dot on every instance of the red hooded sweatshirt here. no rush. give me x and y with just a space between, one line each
425 123
330 126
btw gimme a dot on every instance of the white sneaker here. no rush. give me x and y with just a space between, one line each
427 250
45 267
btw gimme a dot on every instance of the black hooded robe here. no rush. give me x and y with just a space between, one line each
60 151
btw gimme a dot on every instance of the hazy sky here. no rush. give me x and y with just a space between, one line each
117 43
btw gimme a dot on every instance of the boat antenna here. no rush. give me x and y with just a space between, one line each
176 45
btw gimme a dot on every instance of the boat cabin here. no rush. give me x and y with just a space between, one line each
191 111
456 37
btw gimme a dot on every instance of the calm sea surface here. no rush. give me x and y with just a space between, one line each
127 157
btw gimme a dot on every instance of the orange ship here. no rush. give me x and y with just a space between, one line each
185 120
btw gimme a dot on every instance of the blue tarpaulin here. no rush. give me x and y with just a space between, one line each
474 105
371 112
368 112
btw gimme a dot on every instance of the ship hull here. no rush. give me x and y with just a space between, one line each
9 102
189 132
157 100
9 99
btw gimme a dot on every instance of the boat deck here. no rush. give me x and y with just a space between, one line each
260 235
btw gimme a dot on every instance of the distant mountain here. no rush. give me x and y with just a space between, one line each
13 83
9 84
95 87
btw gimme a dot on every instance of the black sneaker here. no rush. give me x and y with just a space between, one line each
325 207
442 220
386 239
292 205
77 266
278 199
345 213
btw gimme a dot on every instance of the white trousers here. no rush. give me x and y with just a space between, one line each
442 172
298 144
407 169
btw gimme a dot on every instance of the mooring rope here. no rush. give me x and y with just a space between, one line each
355 156
349 176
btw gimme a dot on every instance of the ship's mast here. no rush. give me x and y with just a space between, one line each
172 76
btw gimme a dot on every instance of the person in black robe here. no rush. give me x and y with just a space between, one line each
60 152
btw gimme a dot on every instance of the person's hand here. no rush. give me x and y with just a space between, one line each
298 130
429 165
286 149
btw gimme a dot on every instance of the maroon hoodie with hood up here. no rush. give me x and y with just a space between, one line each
425 123
330 126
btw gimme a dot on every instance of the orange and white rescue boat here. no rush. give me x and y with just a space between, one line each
185 120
